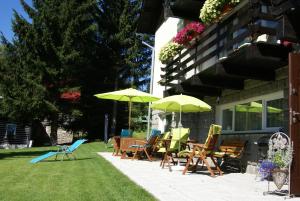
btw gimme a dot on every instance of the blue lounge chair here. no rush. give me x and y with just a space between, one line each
64 150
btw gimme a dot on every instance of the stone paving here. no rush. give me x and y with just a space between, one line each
171 186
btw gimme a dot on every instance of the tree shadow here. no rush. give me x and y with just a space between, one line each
65 160
23 154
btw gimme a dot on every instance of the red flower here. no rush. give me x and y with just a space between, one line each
190 31
71 96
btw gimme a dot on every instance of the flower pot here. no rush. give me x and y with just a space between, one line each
280 177
226 9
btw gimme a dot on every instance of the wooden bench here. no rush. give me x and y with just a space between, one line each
231 152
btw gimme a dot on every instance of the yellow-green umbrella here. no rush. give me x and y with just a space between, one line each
256 108
181 103
129 95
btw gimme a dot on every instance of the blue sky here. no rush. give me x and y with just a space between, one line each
6 14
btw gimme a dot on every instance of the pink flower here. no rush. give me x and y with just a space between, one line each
189 32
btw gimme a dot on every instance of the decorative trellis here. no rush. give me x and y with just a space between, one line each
281 152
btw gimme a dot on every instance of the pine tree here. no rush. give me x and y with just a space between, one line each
132 59
70 46
47 57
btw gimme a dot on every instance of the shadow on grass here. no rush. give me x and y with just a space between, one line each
23 154
65 160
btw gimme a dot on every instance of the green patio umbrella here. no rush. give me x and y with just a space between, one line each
256 108
128 95
181 103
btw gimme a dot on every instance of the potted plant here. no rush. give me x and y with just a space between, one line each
282 159
212 9
169 51
188 34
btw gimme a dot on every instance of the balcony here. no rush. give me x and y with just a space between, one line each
242 45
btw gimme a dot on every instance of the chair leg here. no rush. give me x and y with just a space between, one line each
148 156
135 154
74 156
217 166
173 161
168 160
190 159
162 159
123 155
208 167
117 152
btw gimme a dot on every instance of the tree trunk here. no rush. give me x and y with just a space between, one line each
54 128
114 115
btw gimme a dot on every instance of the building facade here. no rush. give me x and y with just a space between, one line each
238 65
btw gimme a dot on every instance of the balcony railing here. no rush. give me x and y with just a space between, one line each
218 59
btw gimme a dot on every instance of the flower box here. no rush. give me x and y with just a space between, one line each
188 35
169 51
214 10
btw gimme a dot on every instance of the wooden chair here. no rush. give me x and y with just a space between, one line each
231 153
173 145
160 141
146 146
204 151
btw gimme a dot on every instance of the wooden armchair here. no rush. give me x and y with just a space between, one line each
146 146
204 151
132 145
173 145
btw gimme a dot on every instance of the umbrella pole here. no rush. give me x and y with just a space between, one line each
129 117
180 126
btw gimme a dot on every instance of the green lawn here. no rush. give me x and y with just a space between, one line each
90 177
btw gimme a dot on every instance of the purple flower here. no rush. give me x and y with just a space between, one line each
265 168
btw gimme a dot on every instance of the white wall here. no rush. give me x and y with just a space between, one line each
163 35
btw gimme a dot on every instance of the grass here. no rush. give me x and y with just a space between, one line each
139 135
90 177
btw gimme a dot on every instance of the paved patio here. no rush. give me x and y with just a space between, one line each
170 186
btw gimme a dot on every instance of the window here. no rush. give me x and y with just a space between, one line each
274 113
10 130
227 119
248 116
256 114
